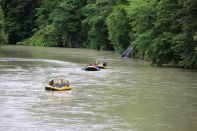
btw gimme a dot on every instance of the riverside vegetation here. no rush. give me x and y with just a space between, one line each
162 31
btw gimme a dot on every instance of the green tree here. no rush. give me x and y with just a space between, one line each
166 27
59 24
19 18
142 16
2 30
97 33
164 31
45 33
188 21
67 21
119 28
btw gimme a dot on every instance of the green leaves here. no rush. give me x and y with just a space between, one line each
19 18
94 24
59 23
3 37
162 31
119 28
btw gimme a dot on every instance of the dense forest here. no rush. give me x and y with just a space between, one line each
162 31
3 37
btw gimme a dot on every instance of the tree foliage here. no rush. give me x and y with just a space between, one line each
59 24
119 28
67 20
97 32
19 18
162 31
3 36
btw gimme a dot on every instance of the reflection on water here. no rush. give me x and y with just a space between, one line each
130 95
65 94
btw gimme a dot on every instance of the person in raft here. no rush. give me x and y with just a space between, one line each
52 82
104 63
94 65
60 83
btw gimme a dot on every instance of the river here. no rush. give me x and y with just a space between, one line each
130 95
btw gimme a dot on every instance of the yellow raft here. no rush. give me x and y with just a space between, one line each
101 66
52 88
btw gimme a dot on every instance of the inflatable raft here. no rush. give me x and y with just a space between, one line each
101 66
91 68
52 88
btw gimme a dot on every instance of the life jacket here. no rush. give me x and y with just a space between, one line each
63 83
